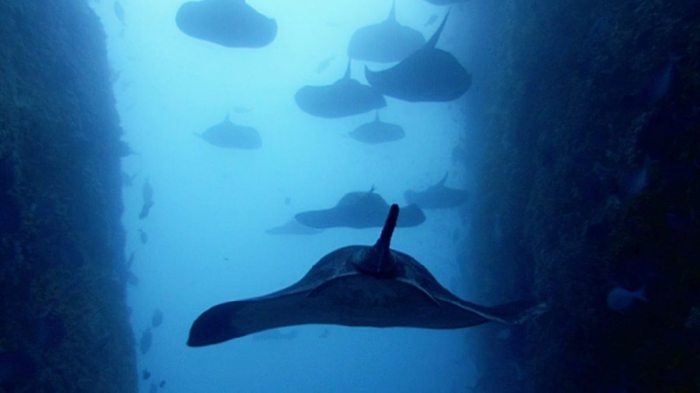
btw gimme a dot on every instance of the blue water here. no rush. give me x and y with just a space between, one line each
206 231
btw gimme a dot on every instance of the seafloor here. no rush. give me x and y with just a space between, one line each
589 179
62 305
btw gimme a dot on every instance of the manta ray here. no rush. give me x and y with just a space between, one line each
428 74
229 135
377 131
385 42
358 210
437 196
345 97
230 23
355 286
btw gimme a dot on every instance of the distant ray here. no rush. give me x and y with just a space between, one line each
293 227
359 210
357 286
429 74
229 135
230 23
437 196
147 195
377 131
385 42
146 341
345 97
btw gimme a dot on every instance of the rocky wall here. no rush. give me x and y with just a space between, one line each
64 318
589 181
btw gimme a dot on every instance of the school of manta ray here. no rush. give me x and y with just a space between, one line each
370 285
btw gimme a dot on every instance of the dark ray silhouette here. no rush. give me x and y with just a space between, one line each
229 135
377 131
345 97
363 209
356 286
231 23
385 42
428 74
437 196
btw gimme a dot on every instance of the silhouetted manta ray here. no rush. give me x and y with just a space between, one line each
358 210
345 97
229 135
355 286
437 196
428 74
231 23
377 131
385 42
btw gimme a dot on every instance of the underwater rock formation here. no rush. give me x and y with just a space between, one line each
574 79
65 326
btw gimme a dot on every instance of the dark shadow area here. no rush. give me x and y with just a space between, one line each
589 180
65 326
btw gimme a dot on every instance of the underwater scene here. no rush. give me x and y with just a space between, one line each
349 196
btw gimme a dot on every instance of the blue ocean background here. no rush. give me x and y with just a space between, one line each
206 240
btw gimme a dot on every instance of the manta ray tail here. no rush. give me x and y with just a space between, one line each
384 241
436 36
517 312
381 262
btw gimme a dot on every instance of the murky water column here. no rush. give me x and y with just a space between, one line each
64 318
204 238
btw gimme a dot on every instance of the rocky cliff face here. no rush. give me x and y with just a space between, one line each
590 180
65 325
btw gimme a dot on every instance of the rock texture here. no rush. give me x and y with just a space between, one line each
590 179
65 325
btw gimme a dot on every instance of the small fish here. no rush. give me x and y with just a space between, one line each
157 318
147 194
431 20
131 279
119 12
145 374
323 64
127 179
621 299
130 261
146 341
144 236
162 384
